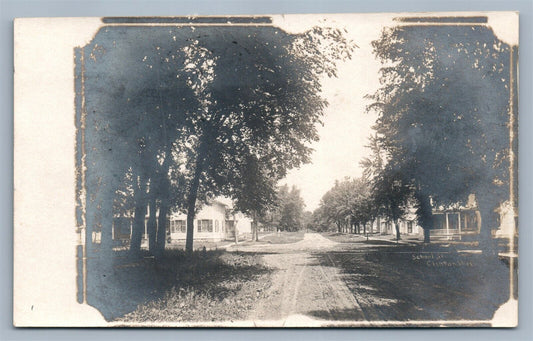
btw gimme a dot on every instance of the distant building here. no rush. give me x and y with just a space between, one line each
408 225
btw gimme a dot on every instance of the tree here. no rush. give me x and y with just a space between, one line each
364 206
307 220
320 222
392 195
443 115
135 123
287 210
291 209
349 204
333 208
193 112
261 100
255 193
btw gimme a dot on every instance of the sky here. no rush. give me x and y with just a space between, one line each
347 125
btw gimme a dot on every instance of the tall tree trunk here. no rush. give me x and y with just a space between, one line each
397 227
161 228
106 223
252 226
424 214
236 232
427 235
364 228
164 197
191 203
488 221
138 226
256 230
253 230
137 229
152 226
90 213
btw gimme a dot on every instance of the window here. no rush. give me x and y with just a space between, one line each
409 227
177 226
469 222
205 225
216 226
172 226
121 228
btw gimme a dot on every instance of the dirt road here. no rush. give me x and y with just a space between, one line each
321 282
302 287
329 280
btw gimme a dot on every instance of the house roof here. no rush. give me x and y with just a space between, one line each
223 201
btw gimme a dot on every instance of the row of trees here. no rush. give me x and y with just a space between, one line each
175 116
287 214
347 206
442 131
353 204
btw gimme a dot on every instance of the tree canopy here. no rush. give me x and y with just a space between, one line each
443 112
191 112
348 204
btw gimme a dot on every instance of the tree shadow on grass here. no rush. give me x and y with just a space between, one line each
403 284
117 286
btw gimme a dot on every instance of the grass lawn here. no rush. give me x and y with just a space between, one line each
283 238
204 286
343 237
198 245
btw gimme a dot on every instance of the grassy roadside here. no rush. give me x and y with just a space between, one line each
206 286
422 283
199 245
343 237
283 237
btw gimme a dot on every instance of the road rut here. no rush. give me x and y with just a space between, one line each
304 290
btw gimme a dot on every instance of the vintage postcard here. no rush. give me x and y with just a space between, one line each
336 170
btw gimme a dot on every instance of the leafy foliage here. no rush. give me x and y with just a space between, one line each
192 113
348 202
287 213
443 112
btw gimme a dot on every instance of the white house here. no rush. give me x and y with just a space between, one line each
408 225
215 221
455 222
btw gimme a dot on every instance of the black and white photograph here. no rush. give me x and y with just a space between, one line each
305 170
